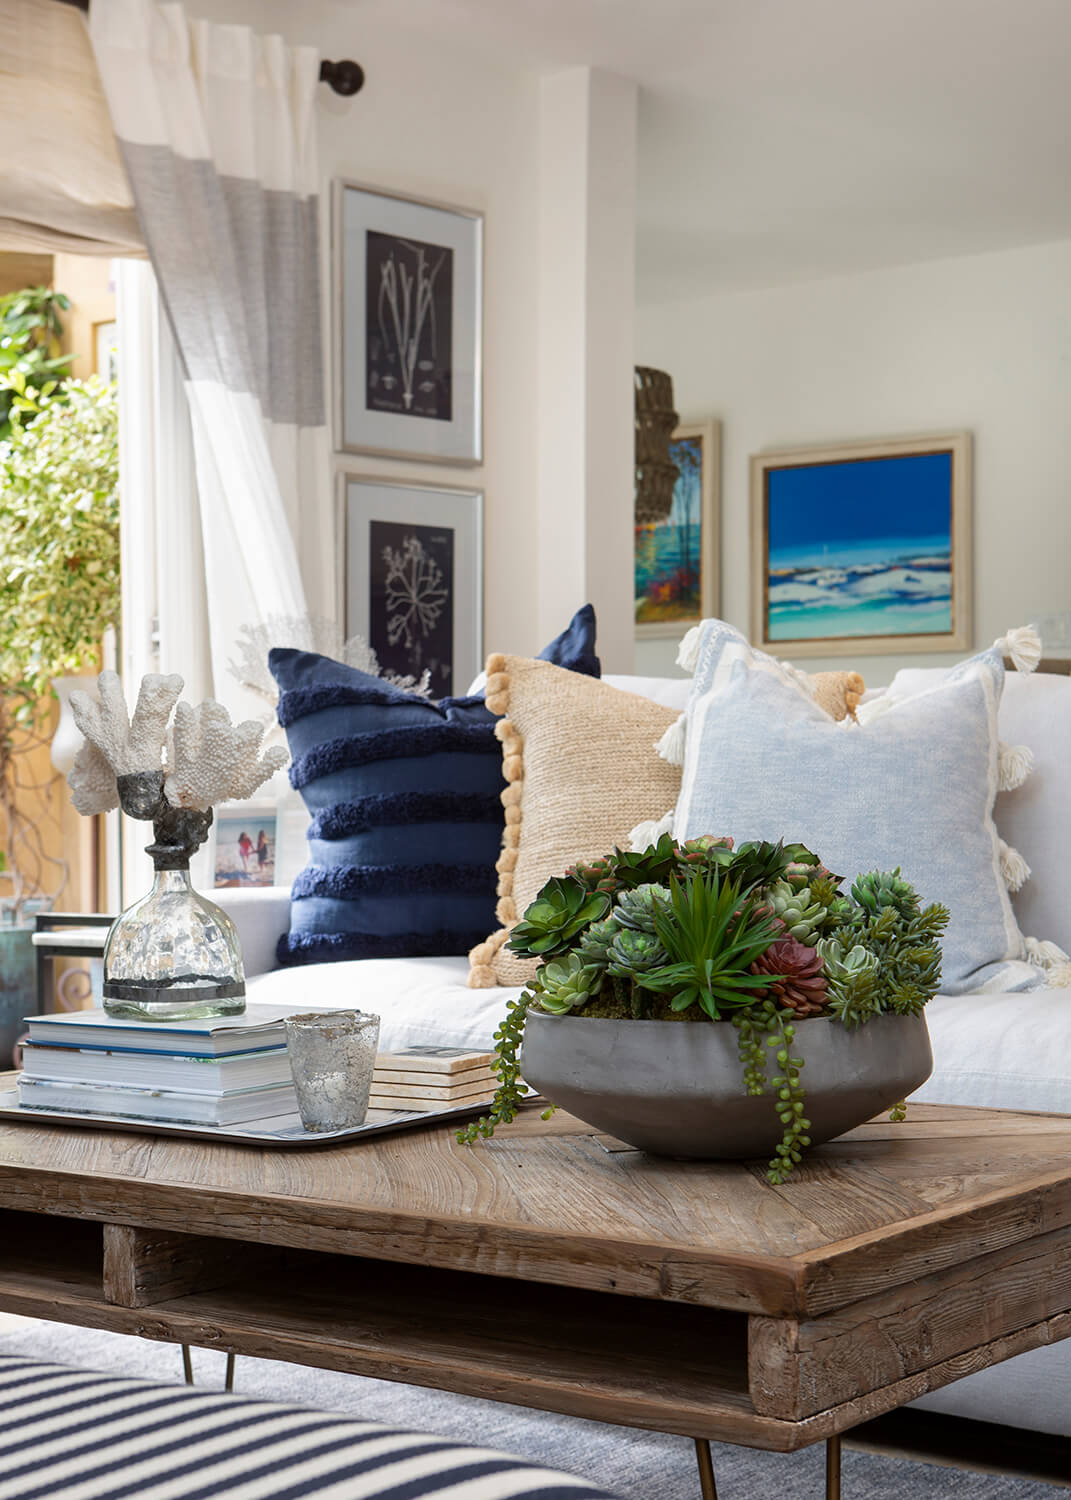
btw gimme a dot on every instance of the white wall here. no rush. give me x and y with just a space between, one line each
443 117
441 123
982 343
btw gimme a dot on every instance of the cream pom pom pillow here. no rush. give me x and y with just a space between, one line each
580 761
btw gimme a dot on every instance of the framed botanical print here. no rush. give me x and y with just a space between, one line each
862 547
408 326
413 577
677 560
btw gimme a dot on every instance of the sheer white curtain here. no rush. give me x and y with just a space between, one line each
217 132
164 604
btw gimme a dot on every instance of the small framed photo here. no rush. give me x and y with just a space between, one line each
677 560
408 312
862 548
245 844
413 584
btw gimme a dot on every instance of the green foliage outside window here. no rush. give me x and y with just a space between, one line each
30 331
59 580
59 532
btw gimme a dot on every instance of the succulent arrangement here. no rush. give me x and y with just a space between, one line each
761 935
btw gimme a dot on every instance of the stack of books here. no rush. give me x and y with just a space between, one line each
224 1070
426 1078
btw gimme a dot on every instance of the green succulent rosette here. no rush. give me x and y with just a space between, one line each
559 913
567 984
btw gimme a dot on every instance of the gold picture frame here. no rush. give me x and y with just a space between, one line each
836 543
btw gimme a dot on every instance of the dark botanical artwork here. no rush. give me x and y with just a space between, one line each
411 601
409 289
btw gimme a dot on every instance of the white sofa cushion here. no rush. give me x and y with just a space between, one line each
420 1001
1001 1051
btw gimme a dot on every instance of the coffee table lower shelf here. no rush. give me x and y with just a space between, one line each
669 1367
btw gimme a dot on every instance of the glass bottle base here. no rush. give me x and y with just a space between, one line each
174 1010
127 1000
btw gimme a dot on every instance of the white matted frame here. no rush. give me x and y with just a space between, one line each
419 374
708 434
959 637
364 499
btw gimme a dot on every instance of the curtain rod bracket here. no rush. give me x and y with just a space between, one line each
345 77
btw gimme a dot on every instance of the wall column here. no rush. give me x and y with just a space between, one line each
586 313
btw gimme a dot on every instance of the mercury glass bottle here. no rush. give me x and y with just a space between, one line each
173 956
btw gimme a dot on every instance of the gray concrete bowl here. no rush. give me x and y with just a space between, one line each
676 1088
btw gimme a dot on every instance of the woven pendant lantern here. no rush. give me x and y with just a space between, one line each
655 424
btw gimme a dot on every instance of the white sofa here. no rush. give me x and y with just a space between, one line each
1003 1051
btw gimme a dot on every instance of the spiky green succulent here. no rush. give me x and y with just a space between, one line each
712 933
638 908
593 946
879 889
568 983
559 913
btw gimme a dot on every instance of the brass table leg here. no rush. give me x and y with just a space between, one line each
708 1488
187 1369
833 1468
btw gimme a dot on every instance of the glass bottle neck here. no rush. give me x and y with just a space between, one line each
169 882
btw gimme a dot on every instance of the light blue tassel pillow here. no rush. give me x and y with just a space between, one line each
911 785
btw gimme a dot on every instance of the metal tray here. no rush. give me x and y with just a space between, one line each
284 1131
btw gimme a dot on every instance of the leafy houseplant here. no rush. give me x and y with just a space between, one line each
59 575
30 330
762 937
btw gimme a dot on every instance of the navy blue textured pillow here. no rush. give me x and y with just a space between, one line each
404 795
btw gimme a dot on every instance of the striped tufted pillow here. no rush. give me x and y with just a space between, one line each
405 799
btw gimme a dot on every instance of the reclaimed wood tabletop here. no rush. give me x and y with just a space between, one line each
898 1258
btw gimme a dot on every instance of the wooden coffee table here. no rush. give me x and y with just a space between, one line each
555 1268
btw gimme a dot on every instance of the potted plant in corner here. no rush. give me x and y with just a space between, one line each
59 591
767 957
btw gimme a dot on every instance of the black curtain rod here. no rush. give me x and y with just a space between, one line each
345 76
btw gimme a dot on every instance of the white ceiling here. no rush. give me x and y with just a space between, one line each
783 140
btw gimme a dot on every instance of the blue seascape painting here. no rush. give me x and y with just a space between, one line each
860 548
668 555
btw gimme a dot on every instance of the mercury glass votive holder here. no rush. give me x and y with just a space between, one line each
332 1054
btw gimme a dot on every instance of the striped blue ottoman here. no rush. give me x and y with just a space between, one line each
68 1434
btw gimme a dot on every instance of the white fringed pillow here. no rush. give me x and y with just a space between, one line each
912 783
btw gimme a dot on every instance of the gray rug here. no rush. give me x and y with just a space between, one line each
635 1465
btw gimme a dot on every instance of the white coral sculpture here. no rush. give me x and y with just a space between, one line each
306 633
209 759
117 745
146 764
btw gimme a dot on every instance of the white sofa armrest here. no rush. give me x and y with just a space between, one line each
261 915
